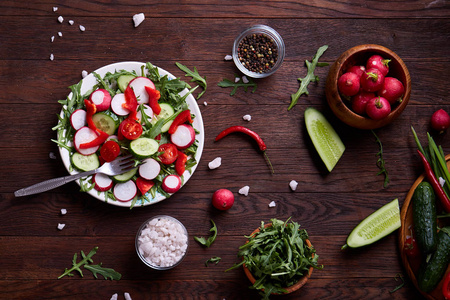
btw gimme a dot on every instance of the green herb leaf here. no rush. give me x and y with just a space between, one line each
310 77
381 162
208 242
226 83
397 277
195 77
214 259
107 273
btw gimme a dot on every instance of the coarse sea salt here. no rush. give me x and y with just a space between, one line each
59 33
114 297
60 19
84 73
55 8
293 185
61 226
163 242
272 204
138 19
52 38
245 79
52 57
228 57
63 211
82 28
71 22
247 118
127 296
215 163
441 181
205 103
244 190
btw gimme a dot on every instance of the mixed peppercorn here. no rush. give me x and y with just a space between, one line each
258 53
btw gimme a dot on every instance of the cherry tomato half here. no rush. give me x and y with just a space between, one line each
130 129
169 155
109 151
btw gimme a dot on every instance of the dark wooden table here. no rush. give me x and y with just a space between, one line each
201 33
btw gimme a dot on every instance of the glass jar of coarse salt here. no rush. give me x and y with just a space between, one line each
162 242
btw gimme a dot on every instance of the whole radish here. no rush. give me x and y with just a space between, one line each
392 90
348 84
378 62
440 120
359 101
223 199
372 80
378 108
358 70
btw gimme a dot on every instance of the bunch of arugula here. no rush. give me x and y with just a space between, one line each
277 256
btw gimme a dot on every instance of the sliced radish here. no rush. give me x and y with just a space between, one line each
183 137
125 191
117 105
138 85
85 135
149 169
148 112
171 183
101 98
78 119
102 182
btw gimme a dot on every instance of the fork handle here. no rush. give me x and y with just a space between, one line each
50 184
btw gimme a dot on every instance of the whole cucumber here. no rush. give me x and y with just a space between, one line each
424 217
432 272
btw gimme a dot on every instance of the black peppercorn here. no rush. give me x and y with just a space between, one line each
264 49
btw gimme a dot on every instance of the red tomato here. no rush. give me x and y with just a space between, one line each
169 155
411 248
446 287
144 185
130 129
109 151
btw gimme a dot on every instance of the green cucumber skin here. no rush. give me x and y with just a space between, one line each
424 217
431 273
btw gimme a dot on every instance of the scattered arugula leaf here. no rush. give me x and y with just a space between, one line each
208 242
310 77
86 262
195 77
381 162
225 83
397 277
214 259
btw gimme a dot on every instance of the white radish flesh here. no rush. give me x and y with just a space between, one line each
149 169
78 119
85 135
171 183
138 85
117 105
148 112
101 98
183 137
102 182
125 191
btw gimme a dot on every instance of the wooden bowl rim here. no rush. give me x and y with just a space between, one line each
291 288
338 105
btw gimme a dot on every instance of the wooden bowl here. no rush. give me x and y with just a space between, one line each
291 288
412 264
358 56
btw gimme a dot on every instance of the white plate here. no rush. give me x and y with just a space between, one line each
89 81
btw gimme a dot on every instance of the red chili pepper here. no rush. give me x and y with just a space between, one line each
445 201
446 287
262 146
183 117
180 163
131 102
153 97
91 109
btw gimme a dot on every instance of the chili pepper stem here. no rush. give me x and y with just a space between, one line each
268 162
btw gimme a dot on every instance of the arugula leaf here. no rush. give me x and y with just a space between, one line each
225 83
381 162
195 77
107 273
310 77
208 242
214 259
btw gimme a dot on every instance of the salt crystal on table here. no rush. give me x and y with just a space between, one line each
82 28
114 297
52 155
247 118
127 296
52 38
55 8
60 33
61 226
205 103
215 163
84 73
272 204
52 57
60 19
237 79
228 57
71 22
244 190
244 79
63 211
293 184
138 19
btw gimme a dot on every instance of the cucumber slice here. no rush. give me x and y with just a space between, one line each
326 141
166 111
106 121
123 81
85 162
124 177
376 226
143 147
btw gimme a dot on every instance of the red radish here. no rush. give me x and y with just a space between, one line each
101 98
85 135
144 185
378 62
171 183
378 108
149 169
223 199
372 80
440 120
117 105
138 85
358 70
148 112
102 182
348 84
183 137
125 191
392 90
359 101
78 119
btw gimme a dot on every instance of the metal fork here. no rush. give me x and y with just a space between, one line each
116 167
